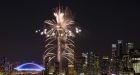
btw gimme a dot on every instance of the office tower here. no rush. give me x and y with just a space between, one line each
91 64
96 65
120 49
85 55
129 46
79 64
120 53
114 50
70 69
85 65
105 65
4 65
85 69
113 62
135 55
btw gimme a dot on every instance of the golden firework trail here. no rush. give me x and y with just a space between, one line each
59 33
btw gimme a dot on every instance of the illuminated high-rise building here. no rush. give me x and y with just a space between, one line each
120 48
135 55
91 64
105 65
114 51
96 65
70 69
114 60
129 46
85 65
120 53
127 63
80 60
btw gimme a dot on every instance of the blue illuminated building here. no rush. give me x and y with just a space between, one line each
29 67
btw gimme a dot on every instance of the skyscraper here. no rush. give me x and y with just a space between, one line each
114 51
120 49
129 46
113 63
105 65
79 64
91 64
96 65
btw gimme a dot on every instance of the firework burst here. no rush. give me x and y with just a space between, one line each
59 33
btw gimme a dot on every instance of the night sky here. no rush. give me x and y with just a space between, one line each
102 23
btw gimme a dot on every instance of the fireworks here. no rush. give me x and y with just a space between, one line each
59 33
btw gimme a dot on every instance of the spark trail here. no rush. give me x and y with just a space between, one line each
59 33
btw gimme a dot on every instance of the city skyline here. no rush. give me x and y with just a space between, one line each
102 23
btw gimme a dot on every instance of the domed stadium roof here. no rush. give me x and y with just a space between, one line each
29 67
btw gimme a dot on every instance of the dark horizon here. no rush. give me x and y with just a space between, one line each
102 23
